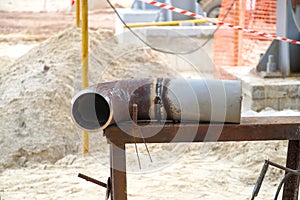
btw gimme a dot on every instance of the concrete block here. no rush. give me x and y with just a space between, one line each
260 104
289 103
179 31
298 92
292 91
97 4
272 103
257 105
134 16
246 103
246 88
275 92
258 92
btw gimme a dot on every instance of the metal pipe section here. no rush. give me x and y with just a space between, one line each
161 99
167 23
85 61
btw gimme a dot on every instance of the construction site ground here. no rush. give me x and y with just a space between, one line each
199 171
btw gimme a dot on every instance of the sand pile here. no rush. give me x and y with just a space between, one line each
36 127
36 92
37 89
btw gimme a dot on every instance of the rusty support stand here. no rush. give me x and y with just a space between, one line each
291 187
87 178
118 172
250 129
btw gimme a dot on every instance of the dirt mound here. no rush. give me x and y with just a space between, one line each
37 89
36 92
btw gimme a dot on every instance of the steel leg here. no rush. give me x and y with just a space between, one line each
118 172
291 187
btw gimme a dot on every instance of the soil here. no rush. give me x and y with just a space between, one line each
41 147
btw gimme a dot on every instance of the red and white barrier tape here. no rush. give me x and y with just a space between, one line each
220 23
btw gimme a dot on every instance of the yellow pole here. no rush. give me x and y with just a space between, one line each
85 48
168 23
77 13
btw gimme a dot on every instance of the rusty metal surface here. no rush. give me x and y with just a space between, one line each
293 195
158 99
118 172
260 180
291 187
95 181
250 129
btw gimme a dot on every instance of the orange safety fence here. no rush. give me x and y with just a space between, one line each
237 48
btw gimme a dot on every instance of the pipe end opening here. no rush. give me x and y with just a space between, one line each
91 111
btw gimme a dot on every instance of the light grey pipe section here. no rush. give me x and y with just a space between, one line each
207 100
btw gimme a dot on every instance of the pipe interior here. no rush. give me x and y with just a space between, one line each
91 111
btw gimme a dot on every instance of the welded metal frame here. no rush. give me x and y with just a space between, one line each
250 129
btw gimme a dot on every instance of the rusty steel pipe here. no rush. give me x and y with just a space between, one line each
193 100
